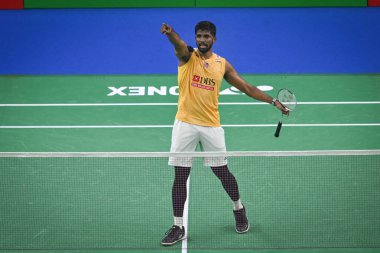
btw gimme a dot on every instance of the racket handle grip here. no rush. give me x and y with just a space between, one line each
278 129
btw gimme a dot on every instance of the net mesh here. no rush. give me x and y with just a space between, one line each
123 201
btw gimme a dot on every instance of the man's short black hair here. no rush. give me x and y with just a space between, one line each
206 26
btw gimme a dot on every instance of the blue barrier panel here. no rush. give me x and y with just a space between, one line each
128 41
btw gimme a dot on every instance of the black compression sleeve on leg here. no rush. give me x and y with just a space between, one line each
179 191
228 181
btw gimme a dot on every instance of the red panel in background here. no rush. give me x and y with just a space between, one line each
11 4
373 2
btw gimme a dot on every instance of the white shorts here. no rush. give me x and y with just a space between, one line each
186 137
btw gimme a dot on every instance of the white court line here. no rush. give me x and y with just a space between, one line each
174 104
170 126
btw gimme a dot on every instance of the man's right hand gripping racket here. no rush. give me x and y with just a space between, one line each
287 99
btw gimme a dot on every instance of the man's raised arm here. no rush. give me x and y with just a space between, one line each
181 50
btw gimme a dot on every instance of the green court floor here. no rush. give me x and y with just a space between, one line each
124 205
64 113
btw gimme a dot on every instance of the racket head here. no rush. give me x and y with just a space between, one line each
287 98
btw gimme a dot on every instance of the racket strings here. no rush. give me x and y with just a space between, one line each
287 99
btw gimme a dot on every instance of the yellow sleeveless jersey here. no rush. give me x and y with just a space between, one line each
199 83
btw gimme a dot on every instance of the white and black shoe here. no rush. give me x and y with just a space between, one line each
241 221
173 235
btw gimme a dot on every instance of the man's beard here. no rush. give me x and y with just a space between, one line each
204 50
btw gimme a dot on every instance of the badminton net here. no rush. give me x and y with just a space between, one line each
305 199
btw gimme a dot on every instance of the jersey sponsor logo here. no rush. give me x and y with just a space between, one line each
201 86
196 78
204 80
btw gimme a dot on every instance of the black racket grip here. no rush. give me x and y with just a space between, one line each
278 129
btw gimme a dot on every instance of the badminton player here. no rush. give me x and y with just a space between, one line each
200 75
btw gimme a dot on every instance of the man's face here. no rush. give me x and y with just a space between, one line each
204 40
